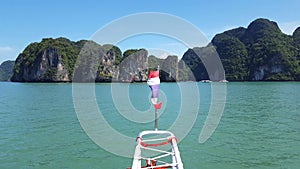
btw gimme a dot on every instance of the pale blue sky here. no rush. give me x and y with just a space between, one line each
23 22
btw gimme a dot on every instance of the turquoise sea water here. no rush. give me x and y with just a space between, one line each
260 127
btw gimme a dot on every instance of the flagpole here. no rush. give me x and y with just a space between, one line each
156 121
156 113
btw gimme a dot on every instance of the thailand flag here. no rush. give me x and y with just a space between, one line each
154 82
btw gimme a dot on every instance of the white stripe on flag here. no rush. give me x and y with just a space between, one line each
153 81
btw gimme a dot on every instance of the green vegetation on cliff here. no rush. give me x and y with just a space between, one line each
260 52
67 49
55 59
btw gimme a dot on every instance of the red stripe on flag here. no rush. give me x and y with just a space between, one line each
153 74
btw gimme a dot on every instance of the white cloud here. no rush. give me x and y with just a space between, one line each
289 27
7 53
162 54
163 50
4 49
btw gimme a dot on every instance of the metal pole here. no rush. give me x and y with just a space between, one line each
156 113
156 121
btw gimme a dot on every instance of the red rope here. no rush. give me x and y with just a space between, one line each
156 144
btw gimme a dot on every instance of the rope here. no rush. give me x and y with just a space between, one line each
156 144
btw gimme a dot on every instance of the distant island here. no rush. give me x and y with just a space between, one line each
260 52
6 70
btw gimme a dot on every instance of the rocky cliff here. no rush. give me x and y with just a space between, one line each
6 70
260 52
134 65
96 63
57 60
48 66
49 60
168 67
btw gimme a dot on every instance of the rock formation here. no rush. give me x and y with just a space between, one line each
6 70
260 52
